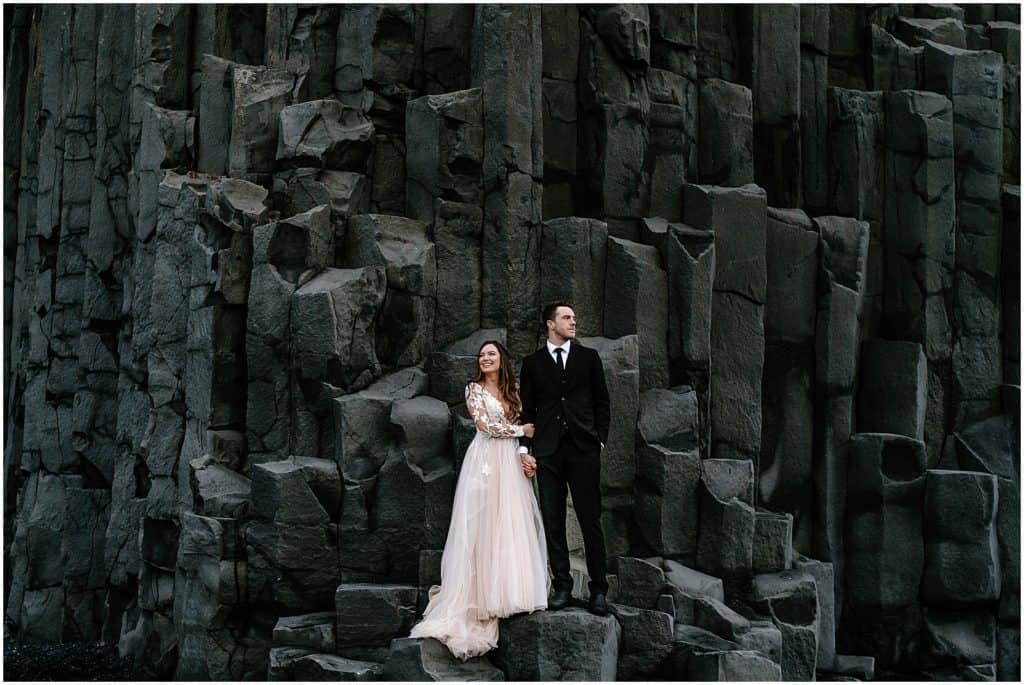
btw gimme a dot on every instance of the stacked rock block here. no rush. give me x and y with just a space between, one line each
251 253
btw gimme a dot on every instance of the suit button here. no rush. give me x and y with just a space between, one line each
563 399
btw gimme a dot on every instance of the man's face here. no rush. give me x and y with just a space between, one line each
564 325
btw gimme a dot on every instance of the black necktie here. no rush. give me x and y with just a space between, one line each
558 358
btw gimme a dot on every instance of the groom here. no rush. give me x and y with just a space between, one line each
564 395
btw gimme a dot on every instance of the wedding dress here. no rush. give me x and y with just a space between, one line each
495 559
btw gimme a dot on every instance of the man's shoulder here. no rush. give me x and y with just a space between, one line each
577 346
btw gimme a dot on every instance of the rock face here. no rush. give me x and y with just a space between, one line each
251 252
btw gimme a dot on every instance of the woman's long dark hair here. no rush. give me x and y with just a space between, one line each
507 385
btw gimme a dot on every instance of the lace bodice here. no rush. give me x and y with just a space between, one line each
488 413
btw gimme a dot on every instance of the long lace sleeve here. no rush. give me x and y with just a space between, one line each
495 426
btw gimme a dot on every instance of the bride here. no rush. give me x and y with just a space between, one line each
495 560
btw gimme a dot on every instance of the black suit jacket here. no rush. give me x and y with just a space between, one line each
579 395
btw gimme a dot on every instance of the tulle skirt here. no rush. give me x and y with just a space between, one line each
495 559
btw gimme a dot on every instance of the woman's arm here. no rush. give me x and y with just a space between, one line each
495 426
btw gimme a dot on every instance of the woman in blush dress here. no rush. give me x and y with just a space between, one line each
495 558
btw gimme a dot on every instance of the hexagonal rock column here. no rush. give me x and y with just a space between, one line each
725 537
211 568
405 328
689 258
737 217
884 543
427 659
570 644
444 151
303 41
668 468
621 362
415 486
1011 288
787 427
824 583
857 173
283 253
370 616
973 81
375 60
614 116
635 302
291 549
506 65
573 266
673 134
258 96
726 140
791 599
216 373
893 389
842 279
775 76
961 551
560 33
992 446
919 256
962 567
814 48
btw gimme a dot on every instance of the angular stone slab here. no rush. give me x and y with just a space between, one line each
332 320
666 502
893 391
733 665
791 599
646 642
669 418
333 668
457 246
570 644
369 616
726 144
773 542
258 96
310 631
573 256
444 151
326 134
426 659
635 302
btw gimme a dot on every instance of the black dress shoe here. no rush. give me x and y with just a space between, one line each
598 605
559 599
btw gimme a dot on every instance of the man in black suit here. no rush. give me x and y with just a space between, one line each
564 395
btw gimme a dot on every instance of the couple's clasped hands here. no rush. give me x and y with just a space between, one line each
527 461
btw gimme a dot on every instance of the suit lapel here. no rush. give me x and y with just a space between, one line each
571 361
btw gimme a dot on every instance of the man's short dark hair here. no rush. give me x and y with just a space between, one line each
548 314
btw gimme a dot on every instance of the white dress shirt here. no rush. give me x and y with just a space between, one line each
565 352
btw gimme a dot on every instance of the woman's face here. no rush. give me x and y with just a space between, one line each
489 359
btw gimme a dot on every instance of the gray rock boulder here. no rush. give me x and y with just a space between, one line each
369 616
325 134
566 645
426 659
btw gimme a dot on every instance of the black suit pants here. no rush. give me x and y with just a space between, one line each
580 472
